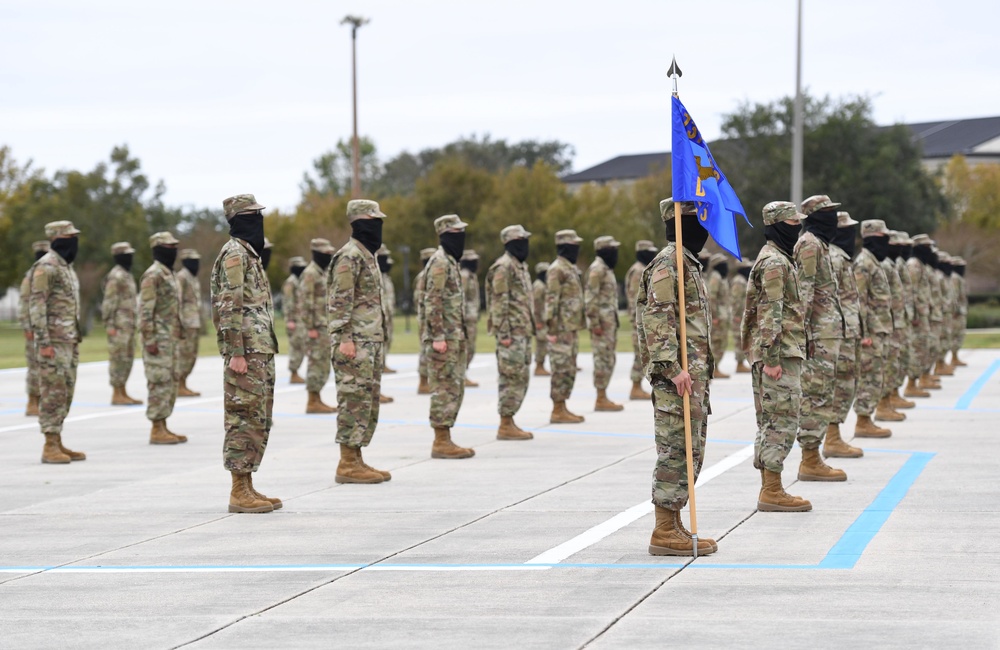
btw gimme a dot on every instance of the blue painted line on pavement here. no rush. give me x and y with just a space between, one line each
966 399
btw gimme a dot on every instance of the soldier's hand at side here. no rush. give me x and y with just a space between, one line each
774 372
313 334
866 342
48 352
238 365
153 349
348 349
29 335
506 342
112 331
597 331
683 382
551 338
290 325
440 346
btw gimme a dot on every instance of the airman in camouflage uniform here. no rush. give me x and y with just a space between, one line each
190 292
162 332
645 251
899 250
773 336
564 318
541 341
315 319
892 369
424 387
824 331
445 332
936 318
943 274
961 311
876 327
509 318
243 314
118 311
657 318
291 304
469 264
54 317
737 301
919 267
40 248
357 337
388 302
600 297
719 303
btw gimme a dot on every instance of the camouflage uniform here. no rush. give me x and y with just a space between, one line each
314 301
901 240
388 300
719 303
291 304
538 294
160 325
892 374
936 316
961 308
737 301
419 284
632 277
920 284
190 296
846 378
876 325
563 319
118 311
470 291
24 318
601 307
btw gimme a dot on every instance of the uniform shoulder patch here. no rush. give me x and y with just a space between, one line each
662 281
40 279
774 282
234 271
231 262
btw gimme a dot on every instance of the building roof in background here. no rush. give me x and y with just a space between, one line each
622 167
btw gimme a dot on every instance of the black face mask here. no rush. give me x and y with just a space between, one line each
783 235
945 268
879 246
39 255
250 228
165 256
894 251
694 235
192 266
570 251
846 239
368 232
470 265
518 248
453 243
823 224
906 252
297 271
960 270
265 257
609 255
644 257
66 247
543 275
383 264
322 259
744 271
723 269
922 253
124 260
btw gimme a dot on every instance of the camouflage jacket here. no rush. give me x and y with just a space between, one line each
563 299
419 282
24 303
906 282
657 317
444 301
190 289
718 297
538 304
388 297
737 299
873 294
241 302
118 309
897 303
159 306
600 297
937 299
961 295
509 299
632 278
818 289
773 324
850 305
54 305
470 291
921 290
355 287
313 299
291 299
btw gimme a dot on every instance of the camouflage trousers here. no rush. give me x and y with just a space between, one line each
562 357
603 347
318 372
471 329
818 375
248 403
670 478
959 339
541 349
846 379
890 366
422 359
777 404
918 349
871 366
636 373
187 351
720 339
121 356
933 346
359 384
513 366
905 341
446 377
31 357
56 383
741 356
296 348
161 380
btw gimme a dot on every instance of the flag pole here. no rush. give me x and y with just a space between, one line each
674 73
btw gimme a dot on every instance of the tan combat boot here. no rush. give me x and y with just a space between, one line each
913 390
942 369
637 392
865 428
73 455
540 370
179 437
386 370
296 378
897 402
703 543
118 397
510 431
471 384
385 399
316 405
424 388
184 391
927 382
670 538
835 447
885 413
955 361
32 408
275 502
742 368
386 476
604 404
562 415
352 470
719 374
812 468
773 497
52 451
132 400
243 499
159 435
443 447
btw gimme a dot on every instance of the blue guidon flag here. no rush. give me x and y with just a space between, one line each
696 177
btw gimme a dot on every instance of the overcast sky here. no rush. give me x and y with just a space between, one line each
218 97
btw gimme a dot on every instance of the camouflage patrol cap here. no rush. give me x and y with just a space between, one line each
120 248
358 208
240 203
188 254
541 267
958 261
468 255
645 245
427 253
449 222
922 240
568 237
510 233
715 259
606 241
844 220
296 261
873 228
779 211
899 238
667 208
944 257
268 243
42 246
321 246
164 238
55 229
816 203
383 250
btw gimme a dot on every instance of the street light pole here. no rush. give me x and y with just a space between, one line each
797 117
355 22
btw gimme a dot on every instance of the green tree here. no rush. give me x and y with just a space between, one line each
334 170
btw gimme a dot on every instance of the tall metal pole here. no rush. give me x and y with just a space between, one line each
797 127
355 22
